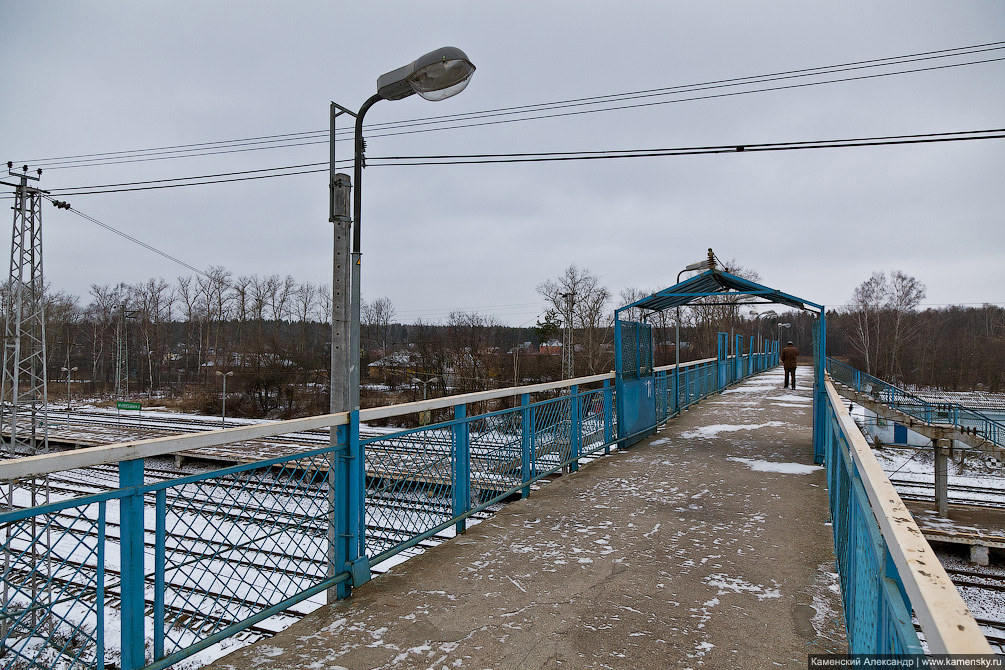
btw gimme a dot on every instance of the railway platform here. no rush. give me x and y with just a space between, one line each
707 545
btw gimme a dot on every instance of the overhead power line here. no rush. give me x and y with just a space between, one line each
529 112
485 158
474 159
126 236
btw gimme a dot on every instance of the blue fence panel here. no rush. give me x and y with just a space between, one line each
203 557
877 612
54 582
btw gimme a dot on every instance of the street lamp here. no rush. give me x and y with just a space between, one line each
435 76
780 326
223 416
700 266
68 371
425 384
769 314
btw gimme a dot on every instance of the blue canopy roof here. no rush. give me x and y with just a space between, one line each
715 282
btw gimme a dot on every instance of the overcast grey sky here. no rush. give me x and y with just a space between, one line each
95 77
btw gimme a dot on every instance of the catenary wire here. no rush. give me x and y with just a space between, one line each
88 159
133 239
505 121
590 100
726 148
558 156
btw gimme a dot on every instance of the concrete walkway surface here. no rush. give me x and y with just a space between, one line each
705 546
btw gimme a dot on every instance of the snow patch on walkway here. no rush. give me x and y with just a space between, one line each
772 466
725 584
709 432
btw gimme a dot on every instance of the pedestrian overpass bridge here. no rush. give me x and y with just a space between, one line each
693 514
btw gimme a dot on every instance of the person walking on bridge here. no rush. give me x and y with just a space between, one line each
789 356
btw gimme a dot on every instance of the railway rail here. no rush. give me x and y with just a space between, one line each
959 494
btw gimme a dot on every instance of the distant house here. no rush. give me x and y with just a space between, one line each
391 368
551 348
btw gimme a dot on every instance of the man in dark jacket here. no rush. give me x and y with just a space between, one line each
789 356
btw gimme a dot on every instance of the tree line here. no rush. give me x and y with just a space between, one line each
274 334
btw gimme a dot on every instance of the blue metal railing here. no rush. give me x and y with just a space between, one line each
943 413
889 574
877 611
203 557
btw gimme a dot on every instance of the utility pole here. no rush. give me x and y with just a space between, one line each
121 355
343 398
340 392
24 388
941 478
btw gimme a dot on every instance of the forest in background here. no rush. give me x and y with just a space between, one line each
157 339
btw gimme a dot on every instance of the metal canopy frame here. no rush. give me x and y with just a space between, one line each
717 282
713 282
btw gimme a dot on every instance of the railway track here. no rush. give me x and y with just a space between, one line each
959 494
202 570
230 504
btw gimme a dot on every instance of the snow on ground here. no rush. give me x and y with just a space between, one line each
770 466
709 432
792 397
727 584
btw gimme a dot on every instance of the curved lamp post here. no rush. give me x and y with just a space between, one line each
769 314
69 372
435 76
780 326
223 414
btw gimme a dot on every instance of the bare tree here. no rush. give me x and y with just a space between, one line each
214 297
595 322
376 317
865 305
468 337
905 294
102 313
578 296
152 302
880 309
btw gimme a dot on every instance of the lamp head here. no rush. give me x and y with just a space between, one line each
700 265
435 76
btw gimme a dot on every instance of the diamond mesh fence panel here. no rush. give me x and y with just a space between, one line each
53 569
409 486
496 454
552 443
591 412
237 544
636 349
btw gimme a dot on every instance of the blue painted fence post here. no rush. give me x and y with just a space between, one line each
752 357
738 351
342 539
575 428
131 564
359 564
462 466
608 416
526 439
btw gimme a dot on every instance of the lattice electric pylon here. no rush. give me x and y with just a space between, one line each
121 355
24 401
568 343
23 388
